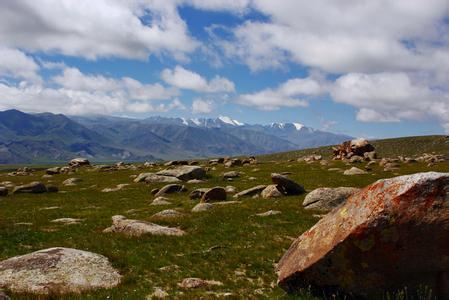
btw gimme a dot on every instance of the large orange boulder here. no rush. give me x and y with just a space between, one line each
393 234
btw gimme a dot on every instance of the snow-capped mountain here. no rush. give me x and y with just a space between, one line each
219 122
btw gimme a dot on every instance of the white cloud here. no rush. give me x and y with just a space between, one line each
238 6
72 78
16 64
92 29
202 107
76 93
189 80
292 93
391 97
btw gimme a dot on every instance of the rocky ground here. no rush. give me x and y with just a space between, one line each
168 233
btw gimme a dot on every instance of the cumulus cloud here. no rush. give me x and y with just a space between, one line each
200 106
189 80
292 93
16 64
76 93
92 29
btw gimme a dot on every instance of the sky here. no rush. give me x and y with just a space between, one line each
367 68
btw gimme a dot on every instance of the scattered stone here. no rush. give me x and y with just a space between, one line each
198 193
137 228
370 156
269 213
231 174
391 235
116 189
233 163
3 191
72 181
57 271
79 162
216 161
286 185
327 199
271 191
195 181
356 159
231 189
184 173
170 189
158 294
154 178
354 171
160 201
53 171
250 192
214 194
168 213
33 188
194 283
200 207
67 221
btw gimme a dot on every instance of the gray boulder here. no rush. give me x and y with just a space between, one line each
57 271
35 187
170 189
286 185
251 191
326 199
184 173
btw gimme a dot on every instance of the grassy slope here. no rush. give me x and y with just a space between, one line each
406 146
245 246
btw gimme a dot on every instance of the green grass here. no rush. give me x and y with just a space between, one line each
228 244
405 146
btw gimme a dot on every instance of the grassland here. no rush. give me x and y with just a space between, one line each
229 244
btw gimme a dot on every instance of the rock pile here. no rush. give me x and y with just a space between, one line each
352 148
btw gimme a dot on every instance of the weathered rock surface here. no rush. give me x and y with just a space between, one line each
154 178
194 283
200 207
251 191
198 193
354 171
269 213
328 198
184 173
170 189
138 228
214 194
57 271
168 213
231 175
286 185
72 181
271 191
67 221
115 189
32 188
390 235
53 171
161 201
79 162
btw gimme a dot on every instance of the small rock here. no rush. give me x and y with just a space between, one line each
137 228
67 221
271 191
160 201
193 283
158 294
354 171
53 171
170 189
79 162
168 213
184 173
198 193
231 174
71 181
200 207
286 185
269 213
33 188
116 189
231 189
214 194
251 192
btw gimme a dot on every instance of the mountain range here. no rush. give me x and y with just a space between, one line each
46 137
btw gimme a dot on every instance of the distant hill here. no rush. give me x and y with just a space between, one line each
46 137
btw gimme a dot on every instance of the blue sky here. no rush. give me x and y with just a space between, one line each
364 68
